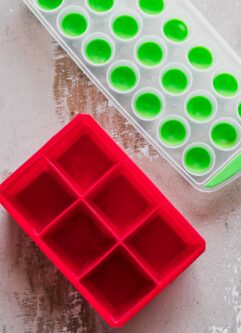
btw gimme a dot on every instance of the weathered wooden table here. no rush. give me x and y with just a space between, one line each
41 90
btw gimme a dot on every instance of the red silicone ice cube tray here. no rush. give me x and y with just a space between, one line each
100 220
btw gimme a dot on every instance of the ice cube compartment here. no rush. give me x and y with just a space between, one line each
167 50
100 220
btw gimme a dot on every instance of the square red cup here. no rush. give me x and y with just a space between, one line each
100 220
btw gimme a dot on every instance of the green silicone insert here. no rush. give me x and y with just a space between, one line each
98 51
148 105
173 132
239 110
224 135
150 54
176 30
152 7
200 108
49 5
101 5
226 84
123 78
229 171
198 160
200 57
125 27
74 24
175 81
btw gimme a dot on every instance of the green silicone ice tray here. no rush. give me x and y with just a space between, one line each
166 69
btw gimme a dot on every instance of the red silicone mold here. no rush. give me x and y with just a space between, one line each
100 220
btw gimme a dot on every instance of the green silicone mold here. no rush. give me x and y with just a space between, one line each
200 108
239 110
151 7
49 5
225 135
148 104
122 78
175 81
173 132
74 24
226 84
198 159
98 51
125 27
200 57
101 6
150 53
176 30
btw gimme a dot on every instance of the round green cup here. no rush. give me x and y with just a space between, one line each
151 7
198 159
239 110
150 52
225 84
176 30
49 5
175 80
125 26
200 57
100 6
73 24
173 132
123 77
225 134
98 50
200 107
147 104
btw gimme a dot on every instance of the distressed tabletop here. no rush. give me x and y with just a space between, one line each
41 89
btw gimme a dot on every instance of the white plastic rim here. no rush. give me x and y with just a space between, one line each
123 12
48 10
206 44
232 122
92 37
182 17
181 120
183 68
210 97
69 10
100 13
155 39
148 90
123 63
206 147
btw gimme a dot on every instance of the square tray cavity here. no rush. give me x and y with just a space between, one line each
167 70
100 220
